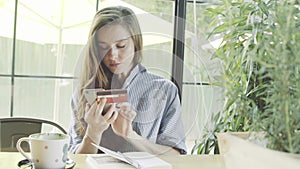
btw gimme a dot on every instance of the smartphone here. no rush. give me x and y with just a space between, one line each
112 96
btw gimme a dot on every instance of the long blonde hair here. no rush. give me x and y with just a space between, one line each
93 74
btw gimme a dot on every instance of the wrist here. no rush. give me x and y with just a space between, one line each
132 135
93 135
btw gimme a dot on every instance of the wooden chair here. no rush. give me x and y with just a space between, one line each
11 129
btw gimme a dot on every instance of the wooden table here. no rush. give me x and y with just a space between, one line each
9 160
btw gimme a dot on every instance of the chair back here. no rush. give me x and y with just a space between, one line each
12 129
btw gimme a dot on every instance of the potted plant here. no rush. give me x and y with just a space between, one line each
260 55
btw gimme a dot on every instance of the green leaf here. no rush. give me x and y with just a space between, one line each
263 7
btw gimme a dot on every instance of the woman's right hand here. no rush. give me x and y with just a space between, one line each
96 122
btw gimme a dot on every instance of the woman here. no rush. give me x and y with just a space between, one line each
151 120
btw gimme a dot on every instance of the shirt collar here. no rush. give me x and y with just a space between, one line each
134 73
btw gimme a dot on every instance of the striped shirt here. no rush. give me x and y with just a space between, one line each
156 102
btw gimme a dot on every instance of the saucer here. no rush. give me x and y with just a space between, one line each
26 164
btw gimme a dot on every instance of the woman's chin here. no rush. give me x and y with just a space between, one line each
115 71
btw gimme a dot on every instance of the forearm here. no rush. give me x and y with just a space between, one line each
143 144
86 147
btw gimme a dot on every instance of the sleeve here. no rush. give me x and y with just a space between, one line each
75 138
171 132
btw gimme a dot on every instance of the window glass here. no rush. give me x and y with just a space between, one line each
43 98
6 35
200 99
198 104
34 97
63 102
156 21
5 87
198 49
49 32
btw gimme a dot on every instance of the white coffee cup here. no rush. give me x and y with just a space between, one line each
47 150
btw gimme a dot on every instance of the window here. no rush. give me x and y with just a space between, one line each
156 21
6 58
39 62
200 98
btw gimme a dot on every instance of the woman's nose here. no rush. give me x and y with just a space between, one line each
113 52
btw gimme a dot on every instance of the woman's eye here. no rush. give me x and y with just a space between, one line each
121 46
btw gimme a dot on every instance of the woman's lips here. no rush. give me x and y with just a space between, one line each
114 64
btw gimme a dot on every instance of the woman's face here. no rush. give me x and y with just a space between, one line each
117 48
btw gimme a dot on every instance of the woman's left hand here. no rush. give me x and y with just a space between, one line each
122 126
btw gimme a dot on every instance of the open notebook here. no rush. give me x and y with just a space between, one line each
112 159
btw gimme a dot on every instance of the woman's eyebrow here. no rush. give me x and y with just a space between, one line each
123 39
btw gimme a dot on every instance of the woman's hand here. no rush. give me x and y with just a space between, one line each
98 123
122 126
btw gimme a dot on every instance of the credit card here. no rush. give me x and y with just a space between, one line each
113 95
